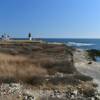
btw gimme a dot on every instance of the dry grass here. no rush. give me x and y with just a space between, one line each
10 97
18 67
23 61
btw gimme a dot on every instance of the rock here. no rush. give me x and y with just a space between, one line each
59 74
97 97
90 62
28 98
72 96
27 95
92 98
7 89
25 98
75 92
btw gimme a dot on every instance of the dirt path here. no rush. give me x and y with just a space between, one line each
81 63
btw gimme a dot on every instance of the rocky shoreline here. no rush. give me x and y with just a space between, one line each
69 93
87 66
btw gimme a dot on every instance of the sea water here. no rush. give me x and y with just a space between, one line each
79 43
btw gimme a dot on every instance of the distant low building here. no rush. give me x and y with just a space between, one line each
5 37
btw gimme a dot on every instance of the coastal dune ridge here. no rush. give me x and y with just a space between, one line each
23 60
44 67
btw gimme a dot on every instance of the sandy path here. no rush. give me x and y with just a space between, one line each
81 63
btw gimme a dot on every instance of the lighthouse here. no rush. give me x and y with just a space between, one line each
30 36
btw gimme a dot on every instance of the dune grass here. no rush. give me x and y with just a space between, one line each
18 67
15 41
32 62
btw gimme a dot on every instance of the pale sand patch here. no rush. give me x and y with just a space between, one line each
92 70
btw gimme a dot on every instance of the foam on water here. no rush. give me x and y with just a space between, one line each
79 44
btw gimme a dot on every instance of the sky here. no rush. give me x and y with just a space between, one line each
50 18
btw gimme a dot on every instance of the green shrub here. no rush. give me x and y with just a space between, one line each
83 77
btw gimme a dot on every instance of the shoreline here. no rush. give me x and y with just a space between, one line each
87 67
54 66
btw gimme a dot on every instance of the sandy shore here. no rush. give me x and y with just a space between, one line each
83 66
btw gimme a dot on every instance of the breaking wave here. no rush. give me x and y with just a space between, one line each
79 44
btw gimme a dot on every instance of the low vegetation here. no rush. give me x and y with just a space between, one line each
32 62
93 53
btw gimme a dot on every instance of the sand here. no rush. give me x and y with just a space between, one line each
83 66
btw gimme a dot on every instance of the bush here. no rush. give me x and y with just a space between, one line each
90 92
64 80
35 80
7 80
83 77
93 53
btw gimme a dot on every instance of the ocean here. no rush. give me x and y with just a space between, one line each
79 43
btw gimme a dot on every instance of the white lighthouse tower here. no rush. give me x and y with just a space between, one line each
30 36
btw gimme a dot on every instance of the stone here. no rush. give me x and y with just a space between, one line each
28 95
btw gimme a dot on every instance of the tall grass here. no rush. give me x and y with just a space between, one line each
24 61
18 67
